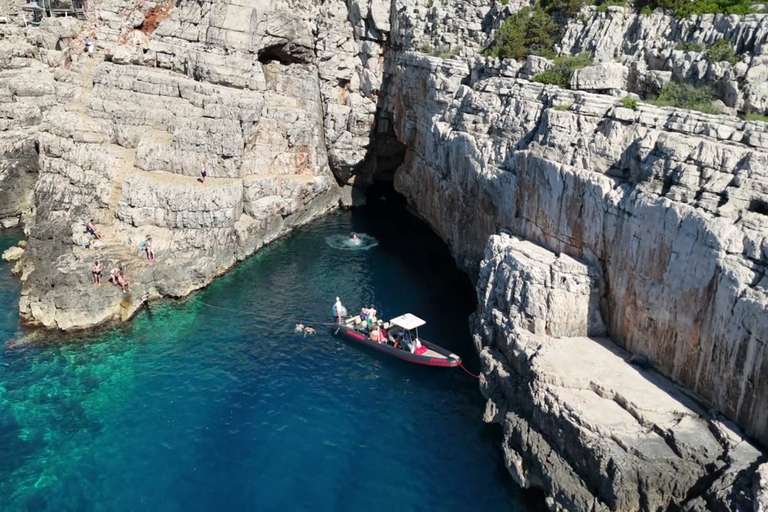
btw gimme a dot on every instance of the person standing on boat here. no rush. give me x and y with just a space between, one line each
339 308
371 315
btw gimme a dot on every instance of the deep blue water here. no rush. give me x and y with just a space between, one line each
191 408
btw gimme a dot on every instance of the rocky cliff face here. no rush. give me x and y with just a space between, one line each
664 210
121 140
669 204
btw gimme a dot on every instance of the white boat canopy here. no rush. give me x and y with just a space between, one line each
407 321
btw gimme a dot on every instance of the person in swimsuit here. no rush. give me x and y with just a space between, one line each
91 228
309 330
338 308
299 326
123 281
96 271
149 249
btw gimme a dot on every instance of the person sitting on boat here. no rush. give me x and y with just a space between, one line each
364 314
375 336
382 332
299 326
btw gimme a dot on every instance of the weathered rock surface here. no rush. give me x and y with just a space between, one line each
580 422
281 100
122 142
666 202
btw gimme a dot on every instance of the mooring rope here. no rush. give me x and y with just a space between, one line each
478 377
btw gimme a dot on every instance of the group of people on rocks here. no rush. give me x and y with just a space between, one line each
116 276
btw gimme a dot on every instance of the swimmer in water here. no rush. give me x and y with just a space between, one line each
354 236
309 330
299 326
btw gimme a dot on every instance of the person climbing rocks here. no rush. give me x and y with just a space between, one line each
203 174
150 250
96 271
88 46
91 228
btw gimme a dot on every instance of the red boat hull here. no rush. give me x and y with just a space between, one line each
446 359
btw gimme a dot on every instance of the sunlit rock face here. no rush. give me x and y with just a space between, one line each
291 107
122 138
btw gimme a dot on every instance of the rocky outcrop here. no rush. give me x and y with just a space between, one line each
667 203
658 44
593 431
124 140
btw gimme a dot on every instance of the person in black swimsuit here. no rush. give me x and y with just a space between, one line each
96 271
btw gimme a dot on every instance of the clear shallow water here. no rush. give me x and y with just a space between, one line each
191 408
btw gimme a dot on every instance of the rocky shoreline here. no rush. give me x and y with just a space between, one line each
638 230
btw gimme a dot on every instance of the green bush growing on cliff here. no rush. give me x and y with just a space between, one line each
628 102
754 116
691 46
683 8
530 31
722 51
603 7
688 97
560 74
567 8
646 10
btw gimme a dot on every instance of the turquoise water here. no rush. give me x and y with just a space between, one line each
191 408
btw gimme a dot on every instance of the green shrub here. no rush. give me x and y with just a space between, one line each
691 46
530 31
426 48
688 97
603 7
568 8
563 108
754 116
722 51
448 54
560 74
683 8
628 102
646 10
503 2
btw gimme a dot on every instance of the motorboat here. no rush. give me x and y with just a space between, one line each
402 340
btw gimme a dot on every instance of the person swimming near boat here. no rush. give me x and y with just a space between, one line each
299 326
309 330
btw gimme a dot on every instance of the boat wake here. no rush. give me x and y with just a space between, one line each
344 242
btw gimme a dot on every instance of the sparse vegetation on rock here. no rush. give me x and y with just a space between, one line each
560 74
530 31
722 51
687 96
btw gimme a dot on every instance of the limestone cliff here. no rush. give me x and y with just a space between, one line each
664 209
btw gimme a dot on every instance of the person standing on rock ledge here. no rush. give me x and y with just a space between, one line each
97 268
88 46
202 173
